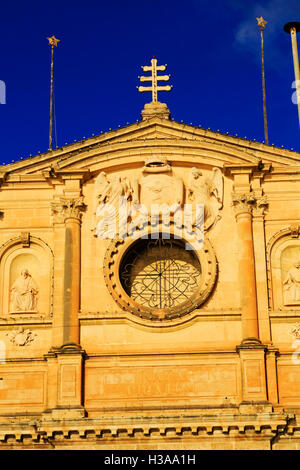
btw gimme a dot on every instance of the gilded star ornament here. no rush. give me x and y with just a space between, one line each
53 41
261 22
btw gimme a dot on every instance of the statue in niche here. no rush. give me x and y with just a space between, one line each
115 192
206 191
24 293
291 285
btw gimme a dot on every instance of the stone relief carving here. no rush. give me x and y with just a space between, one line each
156 191
156 187
24 293
207 191
291 285
110 195
21 337
295 330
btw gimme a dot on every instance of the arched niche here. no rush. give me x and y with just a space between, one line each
284 270
31 293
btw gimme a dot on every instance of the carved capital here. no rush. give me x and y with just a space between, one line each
64 209
243 203
261 206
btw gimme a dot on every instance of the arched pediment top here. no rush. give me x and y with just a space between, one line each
293 231
25 239
129 155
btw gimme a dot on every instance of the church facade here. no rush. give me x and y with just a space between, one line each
151 339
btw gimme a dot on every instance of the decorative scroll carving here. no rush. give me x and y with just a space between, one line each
206 191
67 208
24 293
21 337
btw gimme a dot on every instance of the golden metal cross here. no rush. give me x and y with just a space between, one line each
154 78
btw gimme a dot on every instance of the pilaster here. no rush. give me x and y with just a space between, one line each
254 385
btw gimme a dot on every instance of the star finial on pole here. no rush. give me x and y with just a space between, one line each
53 41
261 22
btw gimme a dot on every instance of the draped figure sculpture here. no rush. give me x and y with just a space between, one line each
207 191
24 293
291 285
111 196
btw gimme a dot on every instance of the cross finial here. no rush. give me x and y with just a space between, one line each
261 22
154 78
53 41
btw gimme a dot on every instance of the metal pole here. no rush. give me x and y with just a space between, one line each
292 29
52 42
261 23
264 88
51 101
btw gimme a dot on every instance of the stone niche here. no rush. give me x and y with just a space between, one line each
26 275
285 273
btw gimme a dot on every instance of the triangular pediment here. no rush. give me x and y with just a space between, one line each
179 142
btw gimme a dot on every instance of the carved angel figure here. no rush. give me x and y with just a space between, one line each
24 292
291 284
206 191
111 196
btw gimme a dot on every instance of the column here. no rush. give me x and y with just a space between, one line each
69 212
251 351
243 204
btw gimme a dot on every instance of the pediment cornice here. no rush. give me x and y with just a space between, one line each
129 145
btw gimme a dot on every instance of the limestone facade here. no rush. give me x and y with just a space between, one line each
92 355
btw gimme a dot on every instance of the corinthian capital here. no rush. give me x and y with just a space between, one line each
67 208
243 203
261 206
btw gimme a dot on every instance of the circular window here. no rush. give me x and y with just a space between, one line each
159 278
160 273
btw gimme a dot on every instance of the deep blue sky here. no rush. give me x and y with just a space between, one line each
212 48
